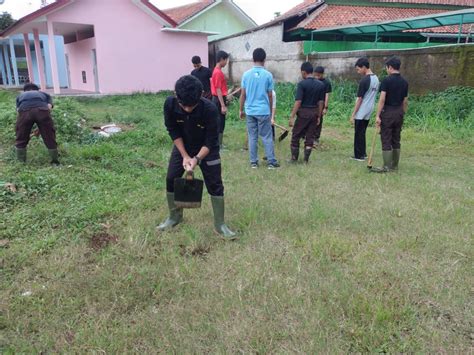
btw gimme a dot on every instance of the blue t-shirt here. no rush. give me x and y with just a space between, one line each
258 83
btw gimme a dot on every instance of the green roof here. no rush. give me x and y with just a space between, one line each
451 18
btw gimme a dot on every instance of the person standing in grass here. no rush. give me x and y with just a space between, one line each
393 105
219 91
192 123
204 75
308 107
364 106
34 106
319 74
257 99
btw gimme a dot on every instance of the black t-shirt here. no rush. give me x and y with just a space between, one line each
204 75
327 85
197 129
310 91
396 88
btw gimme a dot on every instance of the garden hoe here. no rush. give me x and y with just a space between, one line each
284 134
188 191
371 154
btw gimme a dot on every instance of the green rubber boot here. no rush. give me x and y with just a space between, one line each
21 154
396 159
387 163
54 155
307 153
220 226
295 153
175 217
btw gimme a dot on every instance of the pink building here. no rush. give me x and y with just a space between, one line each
112 46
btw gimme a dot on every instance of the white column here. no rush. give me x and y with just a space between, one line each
29 60
39 59
7 64
14 65
53 58
2 67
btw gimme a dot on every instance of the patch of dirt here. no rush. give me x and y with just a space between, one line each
102 240
200 251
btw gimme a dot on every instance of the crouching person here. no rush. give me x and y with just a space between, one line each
34 106
192 123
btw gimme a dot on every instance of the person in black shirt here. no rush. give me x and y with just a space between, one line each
192 123
35 106
309 102
203 74
319 74
393 105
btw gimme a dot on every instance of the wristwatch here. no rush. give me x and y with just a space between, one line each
198 160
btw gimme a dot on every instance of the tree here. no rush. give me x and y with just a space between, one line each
6 20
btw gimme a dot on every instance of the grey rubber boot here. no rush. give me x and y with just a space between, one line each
21 154
54 155
387 162
295 153
307 153
395 159
175 217
218 208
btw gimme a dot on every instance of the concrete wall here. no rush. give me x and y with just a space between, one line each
80 59
427 69
283 59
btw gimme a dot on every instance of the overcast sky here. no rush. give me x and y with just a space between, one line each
260 10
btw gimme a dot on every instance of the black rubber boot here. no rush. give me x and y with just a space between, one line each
295 153
54 155
307 153
218 207
175 217
21 154
395 159
387 163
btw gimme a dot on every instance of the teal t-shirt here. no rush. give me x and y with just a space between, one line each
258 83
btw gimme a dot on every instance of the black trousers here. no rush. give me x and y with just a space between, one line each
360 127
210 167
391 127
42 118
305 127
319 128
216 101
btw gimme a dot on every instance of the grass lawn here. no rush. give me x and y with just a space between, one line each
330 258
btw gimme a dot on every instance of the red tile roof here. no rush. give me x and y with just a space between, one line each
182 13
342 15
433 2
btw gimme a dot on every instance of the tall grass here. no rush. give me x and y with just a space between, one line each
451 110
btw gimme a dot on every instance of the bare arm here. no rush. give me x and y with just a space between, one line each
320 111
221 100
405 104
270 99
243 96
296 107
326 103
356 109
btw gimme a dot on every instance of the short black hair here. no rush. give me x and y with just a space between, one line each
221 55
188 90
319 70
30 87
196 59
259 55
393 62
307 67
363 62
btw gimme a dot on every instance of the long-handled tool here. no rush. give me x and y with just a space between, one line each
371 154
188 191
284 134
